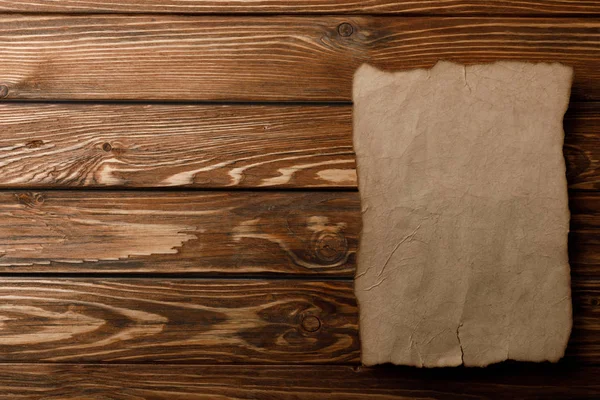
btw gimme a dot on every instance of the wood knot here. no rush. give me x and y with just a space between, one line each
310 323
594 302
3 90
330 247
34 144
39 198
30 199
577 161
106 147
345 29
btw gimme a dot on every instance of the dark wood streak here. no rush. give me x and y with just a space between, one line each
74 145
194 321
206 321
429 7
302 233
233 382
283 58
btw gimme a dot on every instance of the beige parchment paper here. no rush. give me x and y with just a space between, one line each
463 253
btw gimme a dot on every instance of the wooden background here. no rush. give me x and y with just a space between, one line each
178 194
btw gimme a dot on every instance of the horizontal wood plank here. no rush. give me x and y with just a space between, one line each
422 7
178 321
206 321
243 232
279 58
74 145
169 232
159 382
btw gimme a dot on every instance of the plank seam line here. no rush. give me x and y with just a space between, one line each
200 365
182 189
200 277
348 14
274 103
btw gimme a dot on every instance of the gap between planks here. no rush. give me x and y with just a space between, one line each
553 8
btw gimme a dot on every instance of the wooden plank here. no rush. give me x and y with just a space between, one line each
582 145
300 233
280 58
584 343
191 321
80 145
206 321
584 239
158 382
584 250
422 7
73 145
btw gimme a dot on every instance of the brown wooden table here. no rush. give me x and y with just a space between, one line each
178 196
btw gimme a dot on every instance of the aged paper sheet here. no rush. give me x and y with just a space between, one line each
463 253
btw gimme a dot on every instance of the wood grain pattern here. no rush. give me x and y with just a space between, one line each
582 145
300 233
78 145
420 7
149 332
190 321
584 239
73 145
585 341
207 321
158 382
280 58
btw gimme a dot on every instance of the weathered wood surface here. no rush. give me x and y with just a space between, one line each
206 321
159 382
46 321
167 232
80 145
191 321
281 58
299 233
420 7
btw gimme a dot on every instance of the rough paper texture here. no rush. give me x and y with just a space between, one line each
463 253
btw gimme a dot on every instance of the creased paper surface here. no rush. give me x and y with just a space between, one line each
463 253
